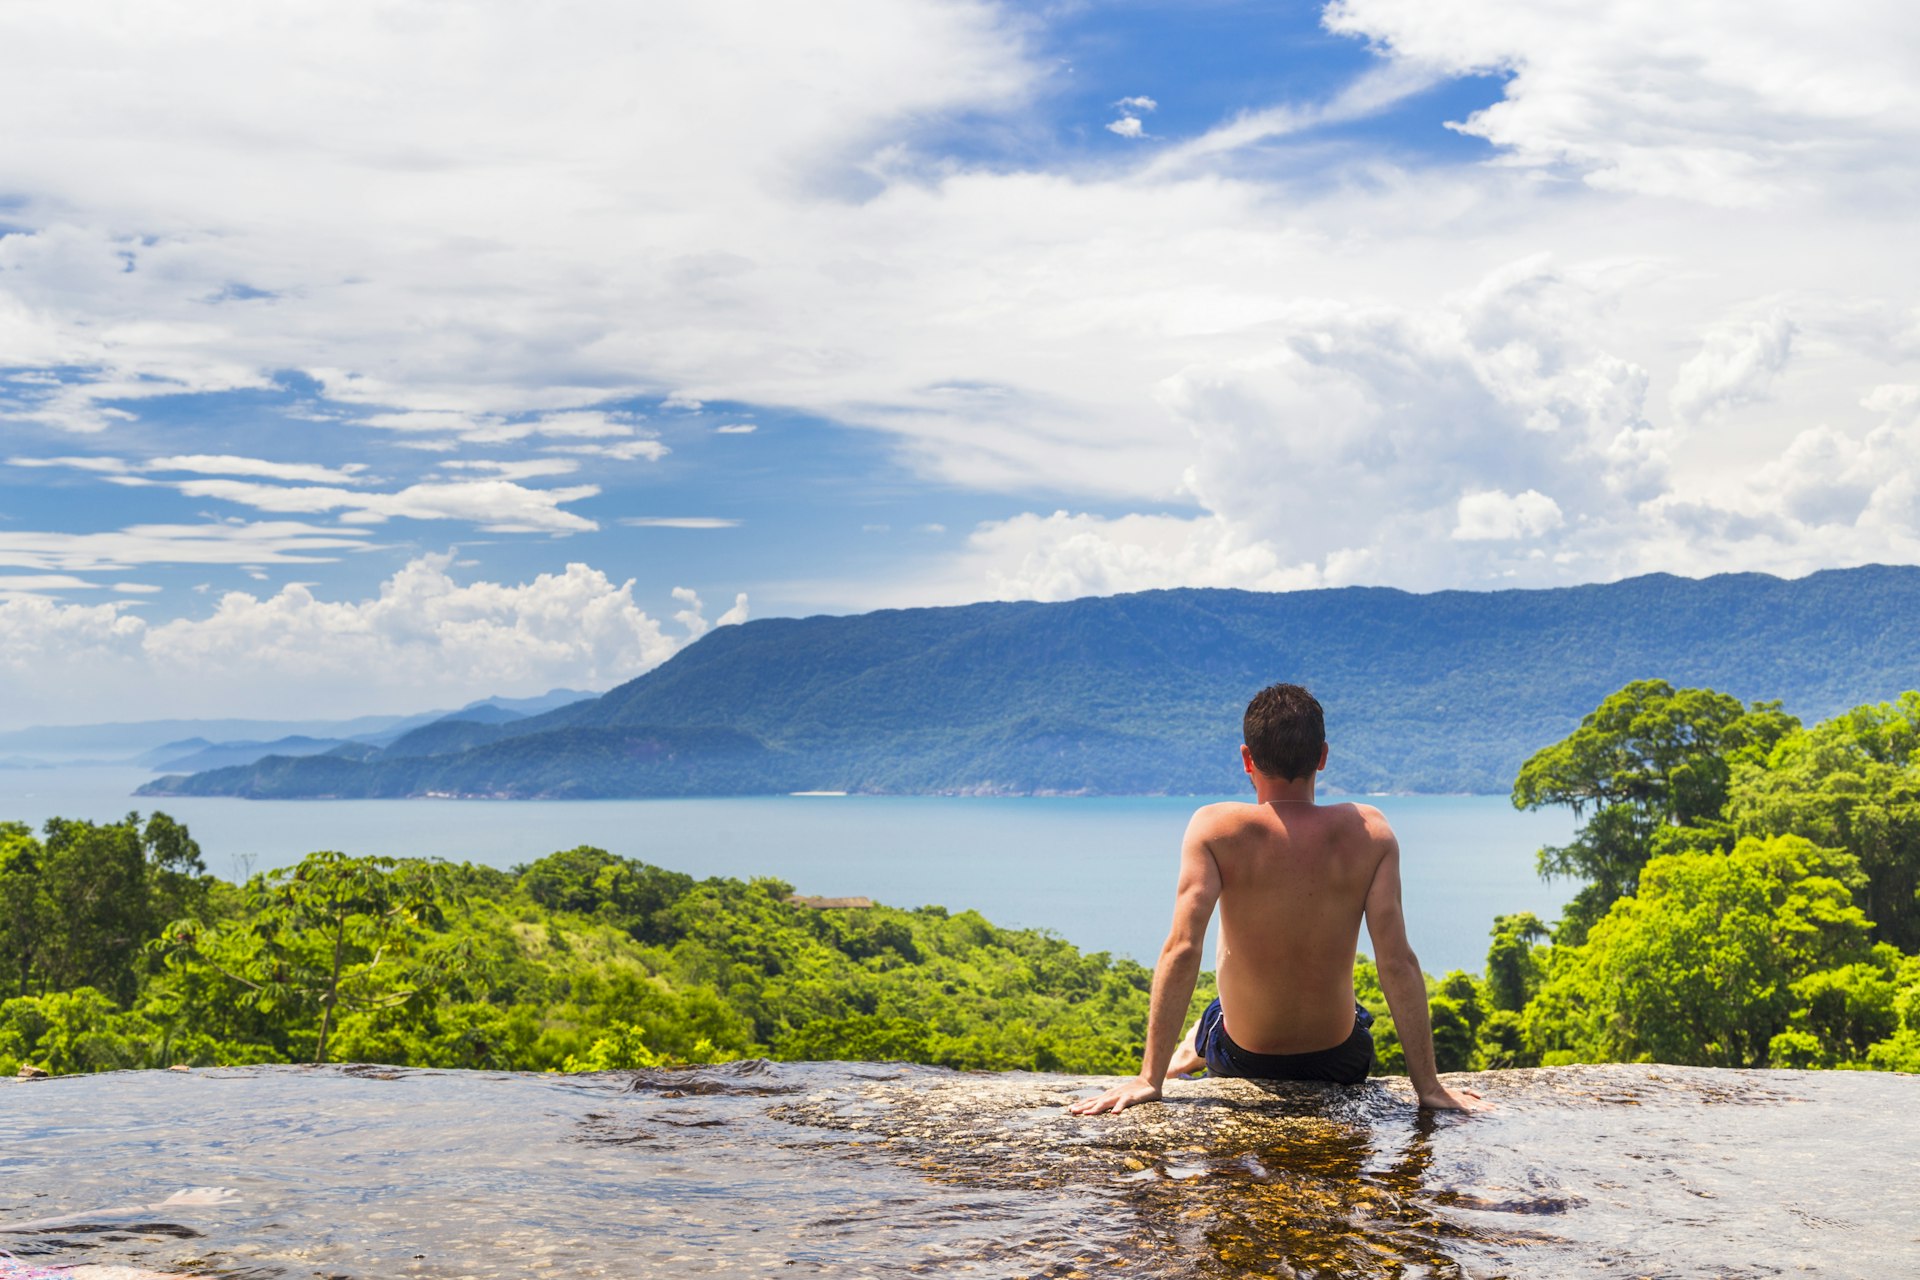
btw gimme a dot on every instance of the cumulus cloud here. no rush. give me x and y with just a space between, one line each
1501 516
1065 554
1127 127
1735 366
43 639
425 637
692 615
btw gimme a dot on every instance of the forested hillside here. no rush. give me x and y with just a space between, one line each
1142 694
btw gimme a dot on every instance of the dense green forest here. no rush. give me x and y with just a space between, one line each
119 952
1143 693
1748 899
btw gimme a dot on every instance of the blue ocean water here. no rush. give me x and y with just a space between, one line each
1099 872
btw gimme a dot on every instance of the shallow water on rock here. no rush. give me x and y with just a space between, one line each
851 1169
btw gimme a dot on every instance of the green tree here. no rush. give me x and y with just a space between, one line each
1699 968
1647 771
1843 1012
623 891
69 1031
1456 1010
82 903
1852 782
1515 962
333 934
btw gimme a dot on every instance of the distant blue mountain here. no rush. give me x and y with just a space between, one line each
219 755
1444 692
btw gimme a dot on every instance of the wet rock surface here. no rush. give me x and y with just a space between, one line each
862 1169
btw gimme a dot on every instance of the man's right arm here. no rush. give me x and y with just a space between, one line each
1405 986
1174 975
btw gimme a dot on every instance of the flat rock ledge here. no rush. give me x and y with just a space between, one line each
882 1169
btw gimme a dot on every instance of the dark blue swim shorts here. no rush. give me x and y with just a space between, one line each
1346 1063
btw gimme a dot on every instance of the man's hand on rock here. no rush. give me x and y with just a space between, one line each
1118 1098
1441 1098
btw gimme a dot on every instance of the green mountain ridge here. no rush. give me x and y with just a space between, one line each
1142 693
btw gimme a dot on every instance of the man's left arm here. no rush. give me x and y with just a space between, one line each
1174 976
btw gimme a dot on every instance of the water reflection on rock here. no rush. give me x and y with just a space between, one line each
851 1169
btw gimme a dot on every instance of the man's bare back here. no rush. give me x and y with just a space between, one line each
1293 890
1293 880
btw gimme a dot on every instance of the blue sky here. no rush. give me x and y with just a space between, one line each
326 349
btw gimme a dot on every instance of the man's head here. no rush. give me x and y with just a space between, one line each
1285 732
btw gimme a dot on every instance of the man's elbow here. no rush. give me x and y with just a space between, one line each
1180 949
1400 962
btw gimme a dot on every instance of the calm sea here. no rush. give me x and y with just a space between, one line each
1099 872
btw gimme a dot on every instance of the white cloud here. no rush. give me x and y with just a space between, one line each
17 582
522 469
424 638
229 465
42 640
1064 555
1369 93
237 543
1735 366
498 505
224 464
625 451
737 429
1139 102
1497 516
679 522
1127 127
1727 101
692 614
108 466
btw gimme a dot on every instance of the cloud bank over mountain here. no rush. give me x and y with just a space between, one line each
294 298
424 637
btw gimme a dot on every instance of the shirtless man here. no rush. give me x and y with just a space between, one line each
1293 879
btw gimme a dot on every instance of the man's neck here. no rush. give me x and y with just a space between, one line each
1282 790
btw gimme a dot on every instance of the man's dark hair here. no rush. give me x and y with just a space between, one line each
1285 730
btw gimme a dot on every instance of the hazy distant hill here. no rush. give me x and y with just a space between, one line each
219 755
1142 693
166 744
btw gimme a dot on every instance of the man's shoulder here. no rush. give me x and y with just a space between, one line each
1225 816
1365 816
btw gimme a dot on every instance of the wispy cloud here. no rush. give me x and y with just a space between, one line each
679 522
495 505
522 469
204 464
230 465
265 542
624 451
